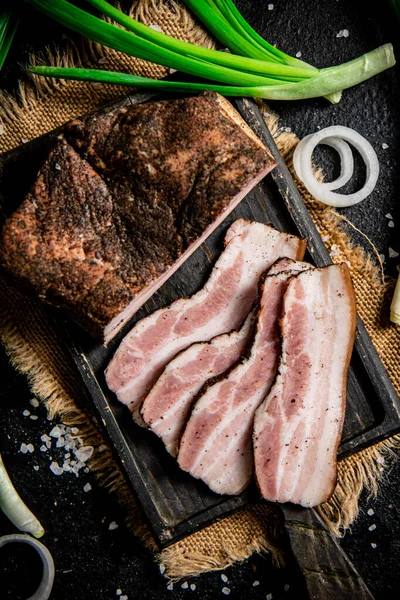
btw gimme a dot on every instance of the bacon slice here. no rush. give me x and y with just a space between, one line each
220 306
297 428
216 444
166 407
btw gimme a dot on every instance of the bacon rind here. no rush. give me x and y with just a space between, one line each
226 297
294 460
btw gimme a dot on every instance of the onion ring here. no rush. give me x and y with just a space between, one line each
319 190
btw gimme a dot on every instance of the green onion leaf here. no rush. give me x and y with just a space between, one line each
8 27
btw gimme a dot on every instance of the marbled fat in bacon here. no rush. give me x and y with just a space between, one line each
220 306
298 427
216 444
166 407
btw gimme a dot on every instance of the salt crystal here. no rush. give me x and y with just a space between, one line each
49 418
55 432
66 466
381 469
382 257
156 28
123 597
185 585
226 591
43 448
286 587
385 146
192 586
162 569
380 460
34 402
84 453
389 216
102 448
118 592
57 167
36 467
370 512
87 487
270 7
67 455
171 70
372 527
170 586
56 469
298 54
74 430
48 445
325 238
60 442
343 33
86 470
33 417
113 525
224 578
373 545
23 448
391 224
45 438
268 597
30 448
256 583
26 413
393 253
288 129
102 61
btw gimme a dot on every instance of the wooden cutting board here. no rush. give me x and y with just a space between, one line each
174 503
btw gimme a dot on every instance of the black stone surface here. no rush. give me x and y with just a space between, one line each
91 560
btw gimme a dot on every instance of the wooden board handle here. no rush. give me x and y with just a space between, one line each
327 570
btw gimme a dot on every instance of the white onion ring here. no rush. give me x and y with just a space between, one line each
345 155
319 190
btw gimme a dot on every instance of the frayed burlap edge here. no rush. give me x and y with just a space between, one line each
218 545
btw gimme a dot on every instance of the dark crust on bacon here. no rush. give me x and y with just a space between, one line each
121 197
351 294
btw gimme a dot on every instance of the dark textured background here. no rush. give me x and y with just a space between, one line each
92 561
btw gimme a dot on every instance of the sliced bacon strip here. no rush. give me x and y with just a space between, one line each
216 444
166 407
220 306
298 427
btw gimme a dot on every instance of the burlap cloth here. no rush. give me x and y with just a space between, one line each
42 105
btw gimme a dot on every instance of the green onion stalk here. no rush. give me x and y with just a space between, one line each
253 67
8 27
14 508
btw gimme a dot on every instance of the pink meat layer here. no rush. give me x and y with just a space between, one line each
166 407
220 306
298 427
216 445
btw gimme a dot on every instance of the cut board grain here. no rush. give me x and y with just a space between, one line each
173 502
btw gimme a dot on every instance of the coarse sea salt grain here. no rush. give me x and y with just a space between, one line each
380 460
389 216
343 33
226 591
83 454
55 432
373 545
268 597
102 448
270 7
162 569
385 146
26 413
34 417
113 525
256 583
192 586
393 253
124 597
156 28
391 224
298 54
34 402
87 487
56 469
36 467
118 592
170 587
43 448
286 587
185 585
45 438
370 512
382 257
372 527
74 430
224 578
30 448
23 448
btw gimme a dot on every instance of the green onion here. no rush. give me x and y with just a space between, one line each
14 508
328 81
8 27
263 72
